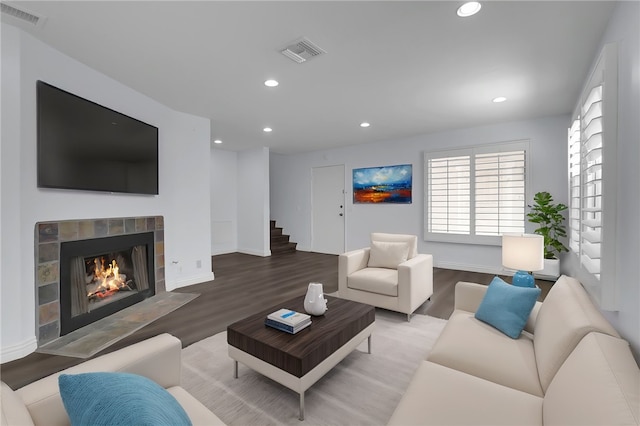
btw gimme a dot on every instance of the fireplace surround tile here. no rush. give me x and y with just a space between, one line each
47 232
69 231
116 226
47 273
48 252
48 293
100 228
48 237
86 229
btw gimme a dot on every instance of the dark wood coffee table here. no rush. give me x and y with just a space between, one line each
299 360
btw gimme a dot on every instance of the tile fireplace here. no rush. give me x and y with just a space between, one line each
89 269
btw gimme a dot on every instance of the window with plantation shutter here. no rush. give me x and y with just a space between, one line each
592 192
449 192
475 195
500 192
591 172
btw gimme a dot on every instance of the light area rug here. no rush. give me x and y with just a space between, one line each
91 339
363 389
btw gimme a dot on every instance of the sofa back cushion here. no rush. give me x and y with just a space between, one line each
599 384
411 240
566 316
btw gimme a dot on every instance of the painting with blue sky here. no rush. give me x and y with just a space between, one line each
385 184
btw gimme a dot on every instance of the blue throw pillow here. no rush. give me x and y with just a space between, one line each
118 399
507 307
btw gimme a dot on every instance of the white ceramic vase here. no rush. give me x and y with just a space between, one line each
314 302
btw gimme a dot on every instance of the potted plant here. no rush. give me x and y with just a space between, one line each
550 220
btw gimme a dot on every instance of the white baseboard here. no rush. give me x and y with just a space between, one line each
19 350
470 268
190 281
229 251
253 252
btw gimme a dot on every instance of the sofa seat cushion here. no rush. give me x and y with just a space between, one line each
197 412
469 345
375 280
598 384
439 395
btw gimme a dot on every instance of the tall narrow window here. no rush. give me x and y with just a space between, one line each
500 192
591 172
592 143
474 195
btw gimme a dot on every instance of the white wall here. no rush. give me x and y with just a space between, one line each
184 180
624 28
253 202
291 186
224 201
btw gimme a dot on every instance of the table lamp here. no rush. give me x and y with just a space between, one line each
524 252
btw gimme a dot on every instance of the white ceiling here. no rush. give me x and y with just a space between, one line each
408 68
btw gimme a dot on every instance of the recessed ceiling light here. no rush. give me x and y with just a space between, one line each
271 83
365 124
499 99
469 8
267 129
217 141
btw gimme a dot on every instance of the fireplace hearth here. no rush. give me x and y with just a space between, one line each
88 269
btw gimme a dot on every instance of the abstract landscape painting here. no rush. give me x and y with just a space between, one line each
386 184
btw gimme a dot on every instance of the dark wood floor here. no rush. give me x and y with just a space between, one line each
242 285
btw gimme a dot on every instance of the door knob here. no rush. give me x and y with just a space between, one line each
341 214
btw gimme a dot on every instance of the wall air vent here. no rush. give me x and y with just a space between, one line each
302 50
22 15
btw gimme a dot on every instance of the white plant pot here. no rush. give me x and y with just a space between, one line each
551 270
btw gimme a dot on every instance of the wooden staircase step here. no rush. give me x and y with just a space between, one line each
280 242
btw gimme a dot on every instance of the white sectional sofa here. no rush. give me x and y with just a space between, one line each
157 358
568 367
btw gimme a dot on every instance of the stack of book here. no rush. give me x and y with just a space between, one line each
288 320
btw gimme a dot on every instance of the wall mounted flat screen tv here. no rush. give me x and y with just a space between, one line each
83 145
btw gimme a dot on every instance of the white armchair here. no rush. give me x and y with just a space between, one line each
389 274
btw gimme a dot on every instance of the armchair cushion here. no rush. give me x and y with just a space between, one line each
411 240
375 280
387 254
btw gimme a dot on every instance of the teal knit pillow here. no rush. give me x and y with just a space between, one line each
118 399
507 307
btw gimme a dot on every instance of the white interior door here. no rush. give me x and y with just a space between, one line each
328 209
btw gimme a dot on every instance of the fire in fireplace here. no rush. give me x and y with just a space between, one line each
108 276
101 276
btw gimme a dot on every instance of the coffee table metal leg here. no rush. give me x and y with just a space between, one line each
235 369
301 417
369 344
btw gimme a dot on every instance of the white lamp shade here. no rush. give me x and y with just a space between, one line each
523 252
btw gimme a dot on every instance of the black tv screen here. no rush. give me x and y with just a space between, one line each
83 145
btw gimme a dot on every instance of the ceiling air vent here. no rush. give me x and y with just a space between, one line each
22 14
302 50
